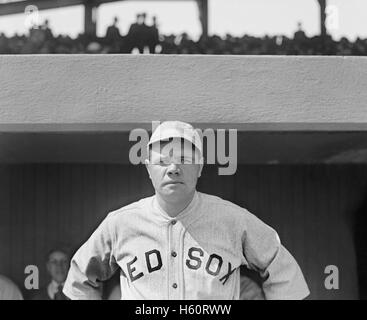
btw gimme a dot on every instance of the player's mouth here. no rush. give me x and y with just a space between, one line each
173 182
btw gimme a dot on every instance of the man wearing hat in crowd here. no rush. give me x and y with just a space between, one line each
181 243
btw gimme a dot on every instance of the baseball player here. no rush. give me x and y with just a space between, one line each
181 243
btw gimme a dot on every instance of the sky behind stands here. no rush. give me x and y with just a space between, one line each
237 17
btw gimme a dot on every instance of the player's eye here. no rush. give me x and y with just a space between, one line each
163 162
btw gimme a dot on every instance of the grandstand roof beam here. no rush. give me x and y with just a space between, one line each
203 16
90 18
322 4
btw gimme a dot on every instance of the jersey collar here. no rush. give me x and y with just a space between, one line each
187 215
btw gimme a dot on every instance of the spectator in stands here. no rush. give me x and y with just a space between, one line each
35 41
135 36
344 47
9 290
57 265
300 41
153 36
47 31
299 34
168 45
184 43
140 36
4 48
146 33
113 33
359 47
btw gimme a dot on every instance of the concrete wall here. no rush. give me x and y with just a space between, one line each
89 89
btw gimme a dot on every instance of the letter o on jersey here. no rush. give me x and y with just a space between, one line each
211 259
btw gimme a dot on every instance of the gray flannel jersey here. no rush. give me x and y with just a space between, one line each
195 255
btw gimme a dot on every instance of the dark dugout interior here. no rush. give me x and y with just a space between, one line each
309 186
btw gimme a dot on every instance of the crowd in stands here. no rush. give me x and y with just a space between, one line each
144 38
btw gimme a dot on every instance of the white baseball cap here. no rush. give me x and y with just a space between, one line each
177 129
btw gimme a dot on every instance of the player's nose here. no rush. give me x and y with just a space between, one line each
173 170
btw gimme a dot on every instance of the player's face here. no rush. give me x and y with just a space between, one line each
58 266
174 169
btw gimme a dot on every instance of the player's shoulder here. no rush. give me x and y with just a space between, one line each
221 204
224 210
130 209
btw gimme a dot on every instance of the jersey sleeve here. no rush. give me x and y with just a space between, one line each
92 263
282 277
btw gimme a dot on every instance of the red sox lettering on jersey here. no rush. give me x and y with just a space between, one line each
194 261
195 255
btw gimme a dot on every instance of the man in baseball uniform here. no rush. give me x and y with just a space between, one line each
181 243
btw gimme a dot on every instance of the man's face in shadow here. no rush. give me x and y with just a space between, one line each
58 266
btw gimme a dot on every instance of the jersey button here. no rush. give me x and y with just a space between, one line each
174 254
174 286
173 222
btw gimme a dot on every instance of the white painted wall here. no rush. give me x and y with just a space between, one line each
87 89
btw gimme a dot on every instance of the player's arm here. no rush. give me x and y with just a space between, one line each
281 274
92 263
